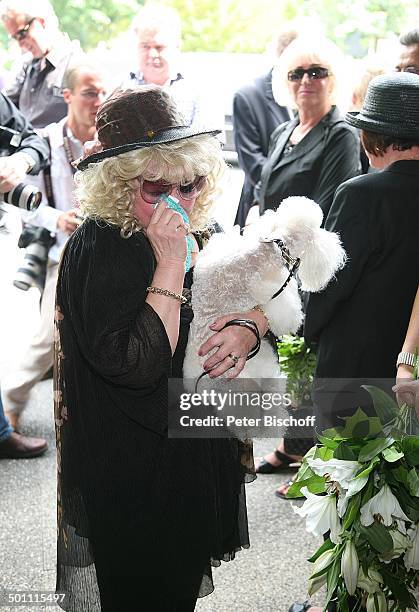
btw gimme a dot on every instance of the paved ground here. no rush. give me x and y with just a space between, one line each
265 578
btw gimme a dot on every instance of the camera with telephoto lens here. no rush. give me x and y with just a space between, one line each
37 241
22 196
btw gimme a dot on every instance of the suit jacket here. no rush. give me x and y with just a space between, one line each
326 157
255 116
360 320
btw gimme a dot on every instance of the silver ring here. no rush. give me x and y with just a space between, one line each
234 358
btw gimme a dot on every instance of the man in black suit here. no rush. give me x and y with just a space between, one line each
255 116
360 320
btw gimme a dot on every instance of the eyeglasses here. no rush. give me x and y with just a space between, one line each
90 94
23 32
315 73
151 191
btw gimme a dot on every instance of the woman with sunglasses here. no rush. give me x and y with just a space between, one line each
142 517
310 155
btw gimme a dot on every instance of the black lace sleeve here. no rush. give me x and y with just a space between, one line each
103 283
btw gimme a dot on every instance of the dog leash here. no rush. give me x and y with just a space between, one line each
292 264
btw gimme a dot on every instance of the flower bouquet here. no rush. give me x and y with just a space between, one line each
361 484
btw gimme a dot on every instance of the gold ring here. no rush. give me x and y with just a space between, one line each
234 358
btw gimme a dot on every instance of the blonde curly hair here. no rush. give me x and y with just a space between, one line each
106 190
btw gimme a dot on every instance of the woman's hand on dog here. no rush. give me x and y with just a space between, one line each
234 340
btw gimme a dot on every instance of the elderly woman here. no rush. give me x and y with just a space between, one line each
311 155
142 516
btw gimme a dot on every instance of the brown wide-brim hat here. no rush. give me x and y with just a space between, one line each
391 106
139 118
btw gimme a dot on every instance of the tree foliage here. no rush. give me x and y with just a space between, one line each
242 25
94 21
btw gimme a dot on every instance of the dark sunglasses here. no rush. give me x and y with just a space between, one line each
151 191
313 73
23 32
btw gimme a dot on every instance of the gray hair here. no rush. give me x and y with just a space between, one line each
158 17
42 9
410 38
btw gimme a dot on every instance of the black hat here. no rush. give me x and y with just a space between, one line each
139 118
391 106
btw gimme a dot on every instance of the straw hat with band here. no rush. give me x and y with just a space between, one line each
391 106
139 118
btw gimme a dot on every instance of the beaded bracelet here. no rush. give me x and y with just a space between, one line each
167 293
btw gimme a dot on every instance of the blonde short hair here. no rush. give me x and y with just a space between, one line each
316 50
106 190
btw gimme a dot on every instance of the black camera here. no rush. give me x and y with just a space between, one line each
22 196
37 241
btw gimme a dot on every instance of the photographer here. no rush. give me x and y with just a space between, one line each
83 93
26 153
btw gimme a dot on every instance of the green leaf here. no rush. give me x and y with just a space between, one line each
385 407
323 453
413 482
392 454
374 448
352 511
400 473
335 432
315 484
410 448
361 430
345 452
409 504
357 420
378 536
396 586
328 442
369 468
327 545
332 580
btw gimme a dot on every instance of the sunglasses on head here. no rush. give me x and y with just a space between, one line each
313 73
23 32
151 191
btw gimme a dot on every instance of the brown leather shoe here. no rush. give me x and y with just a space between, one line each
17 446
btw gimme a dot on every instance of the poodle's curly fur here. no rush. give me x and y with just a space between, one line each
233 273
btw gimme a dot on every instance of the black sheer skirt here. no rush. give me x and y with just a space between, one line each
142 518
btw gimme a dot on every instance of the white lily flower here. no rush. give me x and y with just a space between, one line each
339 470
314 584
400 544
370 583
350 566
384 504
411 558
321 514
381 600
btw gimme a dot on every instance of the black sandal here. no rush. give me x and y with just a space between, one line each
287 463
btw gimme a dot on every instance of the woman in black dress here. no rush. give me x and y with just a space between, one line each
142 517
310 155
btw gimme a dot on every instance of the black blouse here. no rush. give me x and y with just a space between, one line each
131 501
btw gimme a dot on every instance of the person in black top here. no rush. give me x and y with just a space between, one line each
21 153
312 154
141 516
256 114
28 154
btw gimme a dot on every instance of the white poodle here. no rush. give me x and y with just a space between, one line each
233 273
